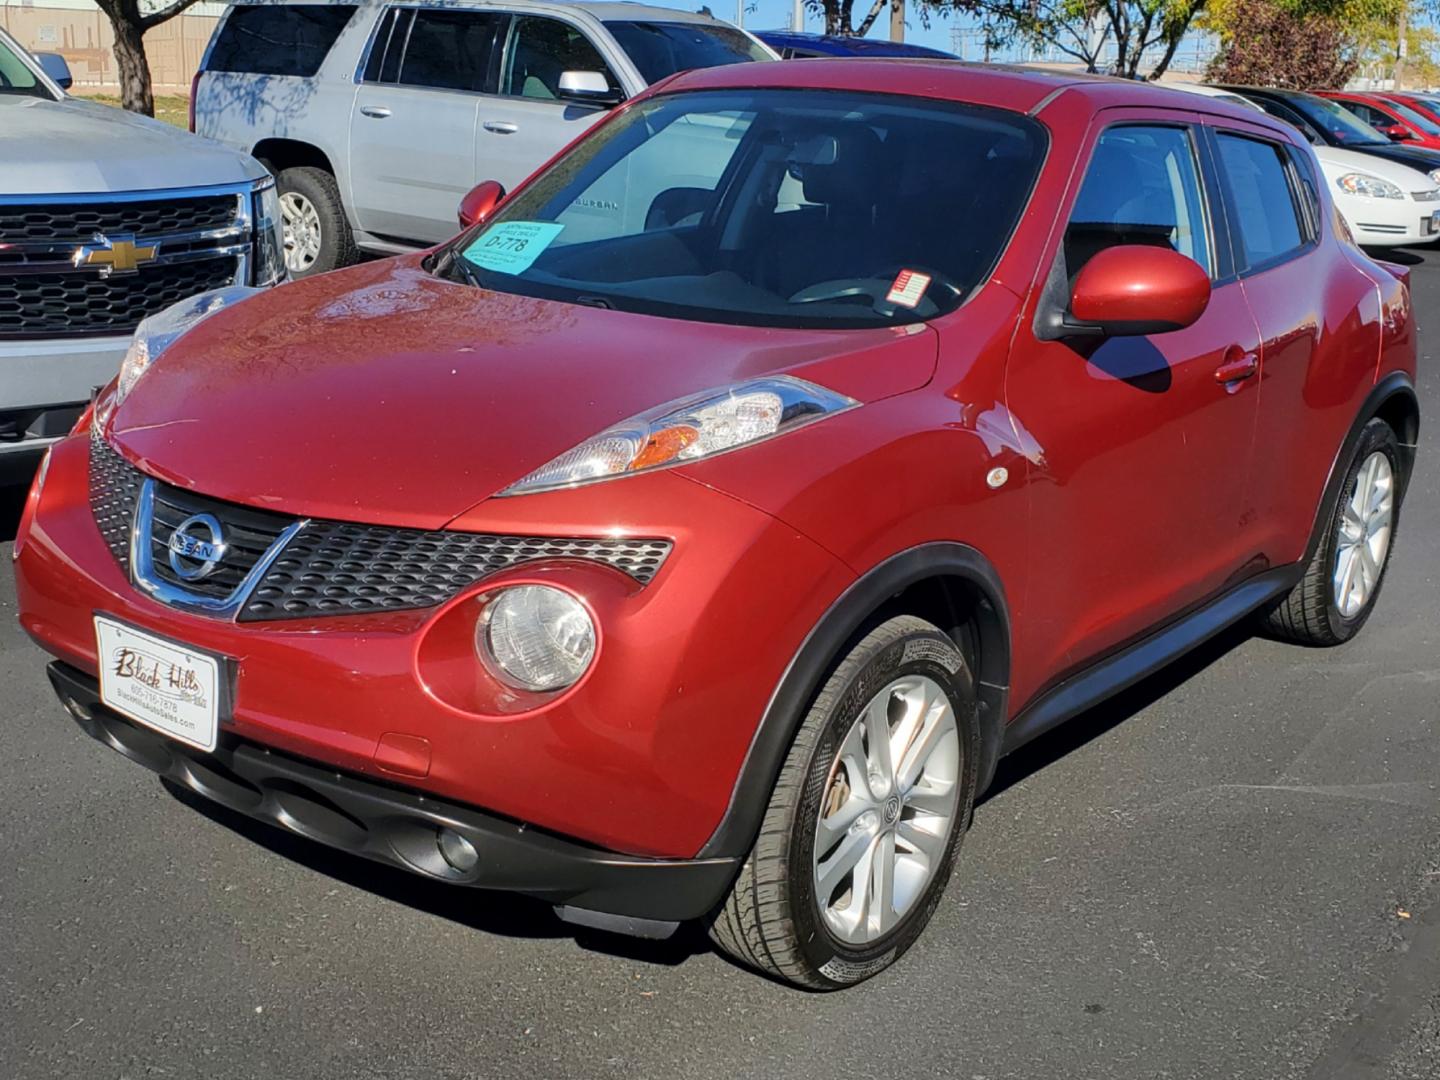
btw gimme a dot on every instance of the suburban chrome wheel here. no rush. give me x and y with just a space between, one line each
300 223
888 810
1363 536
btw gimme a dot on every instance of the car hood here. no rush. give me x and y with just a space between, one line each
385 395
73 146
1337 162
1415 157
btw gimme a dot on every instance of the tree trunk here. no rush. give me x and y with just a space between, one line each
135 92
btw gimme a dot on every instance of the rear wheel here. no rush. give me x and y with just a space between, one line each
866 817
316 232
1331 602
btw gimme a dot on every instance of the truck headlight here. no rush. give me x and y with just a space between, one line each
268 262
535 637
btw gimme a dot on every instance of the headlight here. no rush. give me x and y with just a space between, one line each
534 637
1434 174
1372 187
157 332
689 429
268 267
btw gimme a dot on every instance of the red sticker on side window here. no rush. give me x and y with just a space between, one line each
909 287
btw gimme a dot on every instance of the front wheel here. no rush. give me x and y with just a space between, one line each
315 229
1331 602
866 818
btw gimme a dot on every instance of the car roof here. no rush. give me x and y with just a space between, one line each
618 10
836 45
1018 89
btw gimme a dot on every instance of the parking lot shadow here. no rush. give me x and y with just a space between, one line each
12 501
505 914
1079 730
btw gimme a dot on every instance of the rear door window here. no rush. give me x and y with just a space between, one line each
278 39
1267 221
450 50
541 50
1142 187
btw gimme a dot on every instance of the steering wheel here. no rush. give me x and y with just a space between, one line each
875 290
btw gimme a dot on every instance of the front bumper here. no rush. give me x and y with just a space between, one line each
640 757
44 386
401 828
1390 222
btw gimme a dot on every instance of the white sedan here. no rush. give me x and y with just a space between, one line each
1383 203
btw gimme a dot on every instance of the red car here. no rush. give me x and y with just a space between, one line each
689 538
1392 116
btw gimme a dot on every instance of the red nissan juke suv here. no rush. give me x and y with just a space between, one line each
689 537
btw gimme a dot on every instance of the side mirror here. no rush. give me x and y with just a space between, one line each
480 202
1132 289
589 87
1398 132
54 65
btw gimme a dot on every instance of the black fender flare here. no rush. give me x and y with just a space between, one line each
1396 386
823 648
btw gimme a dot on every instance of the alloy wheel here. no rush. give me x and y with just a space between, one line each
888 810
300 223
1362 538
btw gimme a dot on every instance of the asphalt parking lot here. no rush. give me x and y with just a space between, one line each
1232 872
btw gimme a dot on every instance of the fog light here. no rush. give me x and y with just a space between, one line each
534 637
457 851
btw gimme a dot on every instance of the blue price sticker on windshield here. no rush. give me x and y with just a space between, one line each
511 246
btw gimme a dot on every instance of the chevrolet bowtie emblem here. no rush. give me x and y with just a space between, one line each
115 254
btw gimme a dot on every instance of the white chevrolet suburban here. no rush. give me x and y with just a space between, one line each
378 117
105 218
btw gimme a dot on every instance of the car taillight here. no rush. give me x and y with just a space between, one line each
194 89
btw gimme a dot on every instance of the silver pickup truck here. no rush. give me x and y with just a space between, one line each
105 218
377 117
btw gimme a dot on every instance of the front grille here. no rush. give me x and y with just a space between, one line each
101 265
35 305
249 534
78 223
330 567
334 568
1433 195
114 492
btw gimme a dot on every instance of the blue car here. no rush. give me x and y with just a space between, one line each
792 45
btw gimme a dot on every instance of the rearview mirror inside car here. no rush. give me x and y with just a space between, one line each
590 87
480 202
1133 289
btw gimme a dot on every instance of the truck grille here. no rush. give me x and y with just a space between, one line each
77 223
99 266
53 305
326 567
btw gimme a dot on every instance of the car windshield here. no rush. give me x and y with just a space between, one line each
658 49
16 76
1339 123
767 207
1414 118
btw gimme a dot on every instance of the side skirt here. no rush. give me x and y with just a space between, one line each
1125 668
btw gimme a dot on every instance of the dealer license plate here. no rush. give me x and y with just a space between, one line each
163 685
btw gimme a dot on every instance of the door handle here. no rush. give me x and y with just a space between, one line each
1238 368
376 112
501 127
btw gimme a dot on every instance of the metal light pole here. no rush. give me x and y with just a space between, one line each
797 16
